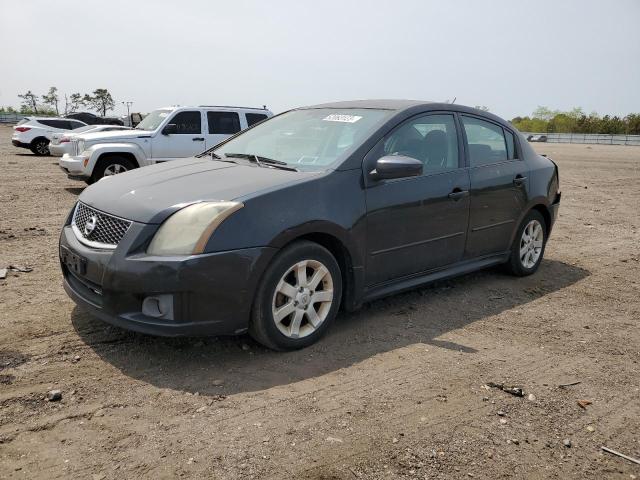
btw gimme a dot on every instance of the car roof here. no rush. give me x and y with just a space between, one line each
411 106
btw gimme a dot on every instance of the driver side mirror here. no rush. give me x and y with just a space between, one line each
396 166
169 129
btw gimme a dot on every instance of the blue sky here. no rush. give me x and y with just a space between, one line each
508 55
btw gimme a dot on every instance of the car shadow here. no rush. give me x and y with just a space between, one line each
75 190
228 365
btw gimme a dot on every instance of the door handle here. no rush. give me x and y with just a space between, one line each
198 139
519 180
458 193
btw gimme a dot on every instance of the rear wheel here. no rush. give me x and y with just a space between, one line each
298 298
109 166
528 246
40 146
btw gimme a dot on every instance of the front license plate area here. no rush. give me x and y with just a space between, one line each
73 261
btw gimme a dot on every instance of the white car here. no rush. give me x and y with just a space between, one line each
35 133
164 134
61 142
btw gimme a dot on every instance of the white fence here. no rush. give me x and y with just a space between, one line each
592 138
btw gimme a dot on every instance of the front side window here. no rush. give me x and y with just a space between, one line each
187 123
253 118
432 139
308 139
486 142
223 123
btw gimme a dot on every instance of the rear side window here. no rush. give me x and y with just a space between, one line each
226 123
75 125
62 124
187 123
253 118
511 149
486 142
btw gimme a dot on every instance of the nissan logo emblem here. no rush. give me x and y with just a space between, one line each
90 226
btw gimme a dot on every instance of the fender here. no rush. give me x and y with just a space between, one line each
99 149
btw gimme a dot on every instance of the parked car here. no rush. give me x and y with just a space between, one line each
92 119
165 134
333 205
35 133
537 138
61 142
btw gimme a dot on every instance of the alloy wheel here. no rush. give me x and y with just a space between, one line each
114 169
302 299
42 148
531 244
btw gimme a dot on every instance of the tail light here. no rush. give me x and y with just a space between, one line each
22 129
65 140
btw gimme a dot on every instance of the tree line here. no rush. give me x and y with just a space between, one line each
545 120
50 103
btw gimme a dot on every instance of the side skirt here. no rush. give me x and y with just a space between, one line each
407 283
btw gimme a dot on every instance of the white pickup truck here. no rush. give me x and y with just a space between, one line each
164 134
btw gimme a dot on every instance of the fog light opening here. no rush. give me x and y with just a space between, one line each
158 306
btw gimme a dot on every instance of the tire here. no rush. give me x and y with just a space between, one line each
40 147
111 165
275 314
526 255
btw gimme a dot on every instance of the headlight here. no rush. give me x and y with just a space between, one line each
187 231
80 146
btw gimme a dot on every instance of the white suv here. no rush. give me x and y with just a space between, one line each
35 133
165 134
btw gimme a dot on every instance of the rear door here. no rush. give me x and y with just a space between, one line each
499 186
221 125
418 224
188 141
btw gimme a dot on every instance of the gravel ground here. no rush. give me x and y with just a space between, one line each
398 389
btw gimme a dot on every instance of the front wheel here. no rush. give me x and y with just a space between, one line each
298 297
109 166
528 246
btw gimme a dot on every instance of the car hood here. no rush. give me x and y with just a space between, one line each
113 135
150 194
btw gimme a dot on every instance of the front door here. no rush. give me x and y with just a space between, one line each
498 186
417 224
188 141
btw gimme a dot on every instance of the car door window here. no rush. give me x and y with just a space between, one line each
187 123
253 118
223 123
432 139
512 153
75 125
486 142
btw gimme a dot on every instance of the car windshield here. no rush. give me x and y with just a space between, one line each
153 120
312 139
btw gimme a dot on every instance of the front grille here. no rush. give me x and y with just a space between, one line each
98 229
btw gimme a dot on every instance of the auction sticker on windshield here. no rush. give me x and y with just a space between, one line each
334 117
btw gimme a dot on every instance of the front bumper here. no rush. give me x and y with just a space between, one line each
212 293
73 166
60 149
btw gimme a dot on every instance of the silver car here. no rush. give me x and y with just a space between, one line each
61 141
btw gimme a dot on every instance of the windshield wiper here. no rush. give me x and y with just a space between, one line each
257 159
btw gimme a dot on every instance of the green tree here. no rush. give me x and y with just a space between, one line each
29 102
76 101
51 99
101 101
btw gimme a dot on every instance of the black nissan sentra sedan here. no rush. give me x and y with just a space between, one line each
322 207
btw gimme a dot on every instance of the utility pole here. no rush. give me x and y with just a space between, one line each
128 104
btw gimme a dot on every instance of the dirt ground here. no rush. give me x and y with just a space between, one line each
395 390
